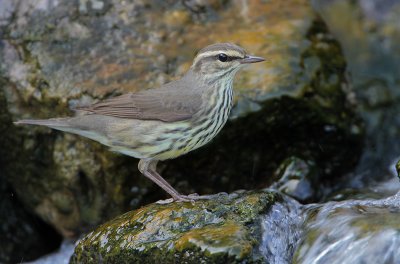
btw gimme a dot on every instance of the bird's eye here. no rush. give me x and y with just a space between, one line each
222 57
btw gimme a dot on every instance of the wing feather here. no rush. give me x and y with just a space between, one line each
170 103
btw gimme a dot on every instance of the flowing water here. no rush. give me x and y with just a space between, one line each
281 231
352 231
61 256
361 230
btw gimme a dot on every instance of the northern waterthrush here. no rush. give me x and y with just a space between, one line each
164 123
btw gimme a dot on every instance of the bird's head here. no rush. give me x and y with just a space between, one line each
221 60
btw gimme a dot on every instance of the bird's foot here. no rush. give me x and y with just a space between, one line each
179 198
194 196
191 198
166 201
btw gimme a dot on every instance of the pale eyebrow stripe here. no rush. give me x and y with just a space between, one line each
229 53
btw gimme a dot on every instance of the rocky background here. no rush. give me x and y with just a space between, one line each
318 122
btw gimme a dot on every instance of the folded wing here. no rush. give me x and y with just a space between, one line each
168 104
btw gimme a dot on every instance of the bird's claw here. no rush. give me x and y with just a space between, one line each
186 198
193 197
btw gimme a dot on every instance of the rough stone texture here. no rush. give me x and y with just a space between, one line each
24 236
223 230
369 34
58 54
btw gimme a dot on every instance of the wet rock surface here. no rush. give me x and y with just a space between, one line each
369 35
62 54
296 179
225 229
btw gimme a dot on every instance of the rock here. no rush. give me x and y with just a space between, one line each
226 229
398 168
296 179
61 54
24 236
353 231
368 32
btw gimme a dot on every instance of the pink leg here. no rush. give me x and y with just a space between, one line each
148 169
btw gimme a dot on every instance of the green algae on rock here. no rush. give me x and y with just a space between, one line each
226 229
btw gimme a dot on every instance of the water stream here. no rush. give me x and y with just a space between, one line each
351 231
61 256
361 230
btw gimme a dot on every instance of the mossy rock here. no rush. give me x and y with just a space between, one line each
226 229
294 105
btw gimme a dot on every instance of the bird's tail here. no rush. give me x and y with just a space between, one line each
80 125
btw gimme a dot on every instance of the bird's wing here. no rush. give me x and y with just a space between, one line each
168 104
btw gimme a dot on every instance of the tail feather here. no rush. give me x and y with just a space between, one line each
91 126
53 122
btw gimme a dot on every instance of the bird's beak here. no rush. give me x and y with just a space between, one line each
251 59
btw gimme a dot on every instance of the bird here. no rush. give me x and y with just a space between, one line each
163 123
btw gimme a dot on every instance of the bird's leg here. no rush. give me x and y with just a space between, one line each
148 169
177 196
